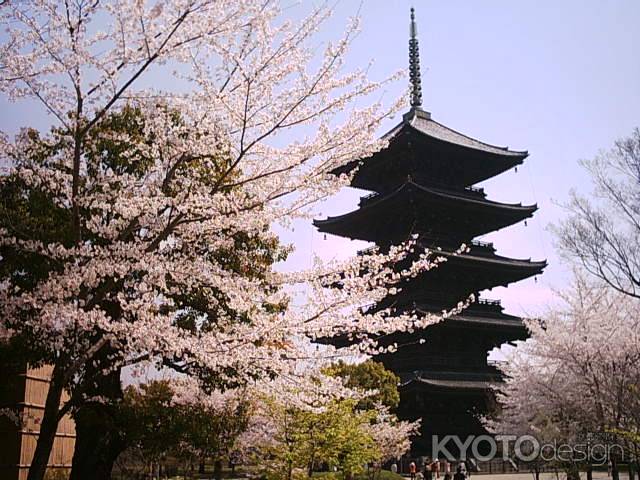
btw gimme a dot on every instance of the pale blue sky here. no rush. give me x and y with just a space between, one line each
559 79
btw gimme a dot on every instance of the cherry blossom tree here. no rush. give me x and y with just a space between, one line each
392 436
578 373
129 263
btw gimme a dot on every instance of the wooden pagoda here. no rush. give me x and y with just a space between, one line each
423 186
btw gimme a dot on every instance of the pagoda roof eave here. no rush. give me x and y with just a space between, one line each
421 122
472 272
517 211
469 319
496 260
409 183
422 380
455 384
453 196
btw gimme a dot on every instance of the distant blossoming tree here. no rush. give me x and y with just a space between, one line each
578 373
122 225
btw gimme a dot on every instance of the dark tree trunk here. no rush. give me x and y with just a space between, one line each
99 439
572 472
217 469
48 428
98 444
289 469
615 475
310 467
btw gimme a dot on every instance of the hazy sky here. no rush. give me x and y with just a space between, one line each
559 79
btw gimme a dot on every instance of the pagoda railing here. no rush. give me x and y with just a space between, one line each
439 360
369 197
474 243
366 309
488 302
367 251
481 244
476 190
496 363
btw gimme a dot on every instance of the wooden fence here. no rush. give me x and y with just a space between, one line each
22 398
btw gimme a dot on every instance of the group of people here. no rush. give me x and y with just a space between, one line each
432 469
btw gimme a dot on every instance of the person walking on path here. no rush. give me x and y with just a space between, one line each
412 470
447 470
436 468
460 473
428 471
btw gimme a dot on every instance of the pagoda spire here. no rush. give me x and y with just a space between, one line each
414 63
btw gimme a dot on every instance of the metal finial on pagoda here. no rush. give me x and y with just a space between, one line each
414 63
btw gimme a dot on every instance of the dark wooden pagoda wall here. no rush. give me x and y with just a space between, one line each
425 186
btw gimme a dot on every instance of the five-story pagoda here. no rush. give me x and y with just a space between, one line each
423 186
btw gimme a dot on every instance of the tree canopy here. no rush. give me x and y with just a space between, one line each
138 230
369 375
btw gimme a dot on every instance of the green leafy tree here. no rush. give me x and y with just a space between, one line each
157 425
335 436
369 375
149 421
211 432
354 446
